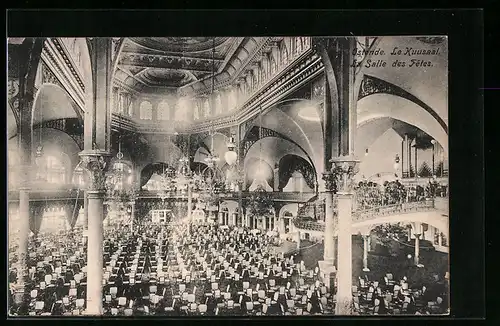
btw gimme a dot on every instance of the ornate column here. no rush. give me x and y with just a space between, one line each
341 92
417 232
417 248
96 165
366 238
329 235
23 61
24 225
276 178
344 168
85 211
95 160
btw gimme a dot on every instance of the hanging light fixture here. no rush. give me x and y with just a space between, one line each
39 149
396 163
231 156
119 180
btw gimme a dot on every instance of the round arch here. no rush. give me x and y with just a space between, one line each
52 102
290 208
379 106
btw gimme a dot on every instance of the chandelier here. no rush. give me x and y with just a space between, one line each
119 179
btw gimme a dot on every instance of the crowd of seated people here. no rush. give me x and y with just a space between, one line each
172 270
370 194
191 270
399 297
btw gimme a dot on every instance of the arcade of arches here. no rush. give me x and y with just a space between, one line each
227 176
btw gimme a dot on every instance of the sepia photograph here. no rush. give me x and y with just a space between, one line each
228 176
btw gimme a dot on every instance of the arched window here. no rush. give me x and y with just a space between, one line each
298 45
196 113
218 103
183 109
306 44
51 169
232 101
206 108
255 79
146 110
274 65
163 111
131 108
283 54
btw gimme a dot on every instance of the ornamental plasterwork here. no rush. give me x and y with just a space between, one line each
58 63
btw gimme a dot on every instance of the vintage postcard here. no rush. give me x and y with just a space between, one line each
228 176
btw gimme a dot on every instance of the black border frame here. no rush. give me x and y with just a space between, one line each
465 31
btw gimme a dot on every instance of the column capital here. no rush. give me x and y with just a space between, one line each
329 179
96 164
344 168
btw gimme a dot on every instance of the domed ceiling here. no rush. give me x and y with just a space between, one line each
155 64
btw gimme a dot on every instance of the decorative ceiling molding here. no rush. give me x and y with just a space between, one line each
120 83
165 61
179 44
200 88
373 85
60 67
70 63
232 50
302 70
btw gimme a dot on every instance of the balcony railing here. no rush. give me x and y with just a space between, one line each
373 213
397 209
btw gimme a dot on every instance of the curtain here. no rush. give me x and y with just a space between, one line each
291 163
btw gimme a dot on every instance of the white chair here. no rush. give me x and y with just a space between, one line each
202 308
128 312
122 301
249 305
215 286
107 298
39 305
246 285
80 303
72 292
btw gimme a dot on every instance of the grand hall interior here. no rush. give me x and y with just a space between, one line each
228 176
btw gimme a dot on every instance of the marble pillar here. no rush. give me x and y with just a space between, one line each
329 242
366 238
96 164
24 229
344 168
417 249
95 160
